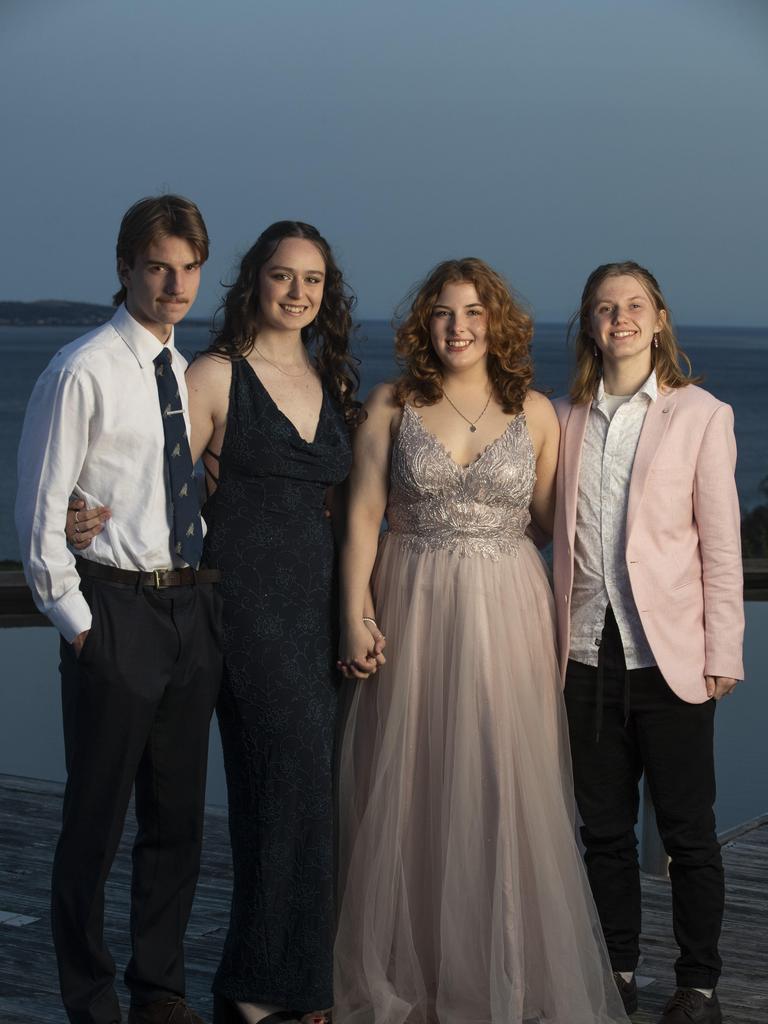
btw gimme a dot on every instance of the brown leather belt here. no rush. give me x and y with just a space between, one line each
157 578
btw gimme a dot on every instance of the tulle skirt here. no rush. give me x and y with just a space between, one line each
463 898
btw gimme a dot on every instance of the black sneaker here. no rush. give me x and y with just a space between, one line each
687 1006
627 991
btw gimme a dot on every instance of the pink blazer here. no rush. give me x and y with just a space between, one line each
683 536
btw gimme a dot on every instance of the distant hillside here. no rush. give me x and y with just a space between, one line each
52 312
57 312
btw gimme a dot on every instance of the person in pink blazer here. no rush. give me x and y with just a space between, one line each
648 588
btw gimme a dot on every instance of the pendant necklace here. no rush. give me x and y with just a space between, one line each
303 373
466 419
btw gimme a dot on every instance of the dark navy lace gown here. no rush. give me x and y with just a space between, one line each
277 709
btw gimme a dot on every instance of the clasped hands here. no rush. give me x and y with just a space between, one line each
361 649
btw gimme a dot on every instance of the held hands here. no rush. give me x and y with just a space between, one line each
720 686
361 649
83 524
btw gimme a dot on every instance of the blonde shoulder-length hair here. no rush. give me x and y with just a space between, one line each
673 367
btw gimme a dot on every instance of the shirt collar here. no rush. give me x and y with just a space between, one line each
650 389
142 343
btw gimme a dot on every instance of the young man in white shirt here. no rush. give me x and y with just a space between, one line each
140 659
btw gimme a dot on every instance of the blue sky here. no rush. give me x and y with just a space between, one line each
544 136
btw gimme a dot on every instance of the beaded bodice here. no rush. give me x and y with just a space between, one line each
479 509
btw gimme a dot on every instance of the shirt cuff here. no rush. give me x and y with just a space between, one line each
728 664
71 615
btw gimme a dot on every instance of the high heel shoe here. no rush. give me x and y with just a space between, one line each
225 1011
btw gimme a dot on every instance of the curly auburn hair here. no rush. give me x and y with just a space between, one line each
509 334
673 367
329 332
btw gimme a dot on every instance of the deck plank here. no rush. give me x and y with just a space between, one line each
29 822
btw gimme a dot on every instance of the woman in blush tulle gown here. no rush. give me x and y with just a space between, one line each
463 897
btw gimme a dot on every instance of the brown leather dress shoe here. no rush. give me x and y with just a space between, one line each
164 1011
627 991
687 1006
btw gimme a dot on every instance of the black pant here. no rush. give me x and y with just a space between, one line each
672 742
137 706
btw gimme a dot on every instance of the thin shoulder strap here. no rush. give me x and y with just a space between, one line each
208 472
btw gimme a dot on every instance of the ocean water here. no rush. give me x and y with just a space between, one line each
733 362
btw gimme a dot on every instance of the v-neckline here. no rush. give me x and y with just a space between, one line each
287 419
446 452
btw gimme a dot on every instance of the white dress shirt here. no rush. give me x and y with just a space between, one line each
600 573
93 427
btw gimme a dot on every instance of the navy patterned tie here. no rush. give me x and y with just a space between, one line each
187 527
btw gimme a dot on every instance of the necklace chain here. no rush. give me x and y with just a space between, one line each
303 373
466 419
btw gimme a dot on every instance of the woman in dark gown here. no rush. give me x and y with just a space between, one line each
274 425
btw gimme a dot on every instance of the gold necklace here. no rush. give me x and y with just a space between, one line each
303 373
466 419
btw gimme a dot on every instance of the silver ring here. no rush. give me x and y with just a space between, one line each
77 513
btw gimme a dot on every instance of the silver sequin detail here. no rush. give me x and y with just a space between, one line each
480 509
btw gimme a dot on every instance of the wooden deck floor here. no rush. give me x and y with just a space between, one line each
29 820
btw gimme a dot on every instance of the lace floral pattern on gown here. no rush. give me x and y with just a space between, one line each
464 898
479 509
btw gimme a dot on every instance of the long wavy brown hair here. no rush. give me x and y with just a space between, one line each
673 367
328 334
509 334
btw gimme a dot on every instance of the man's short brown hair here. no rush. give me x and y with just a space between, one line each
158 217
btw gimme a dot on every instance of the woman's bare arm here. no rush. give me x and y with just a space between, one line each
368 489
545 435
208 380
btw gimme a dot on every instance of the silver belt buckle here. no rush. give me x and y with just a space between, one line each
160 583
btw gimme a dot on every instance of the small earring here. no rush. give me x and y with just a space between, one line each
655 341
595 353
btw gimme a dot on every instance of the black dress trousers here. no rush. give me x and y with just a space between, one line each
137 706
672 741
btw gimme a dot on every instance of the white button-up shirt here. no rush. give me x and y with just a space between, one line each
93 427
600 568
